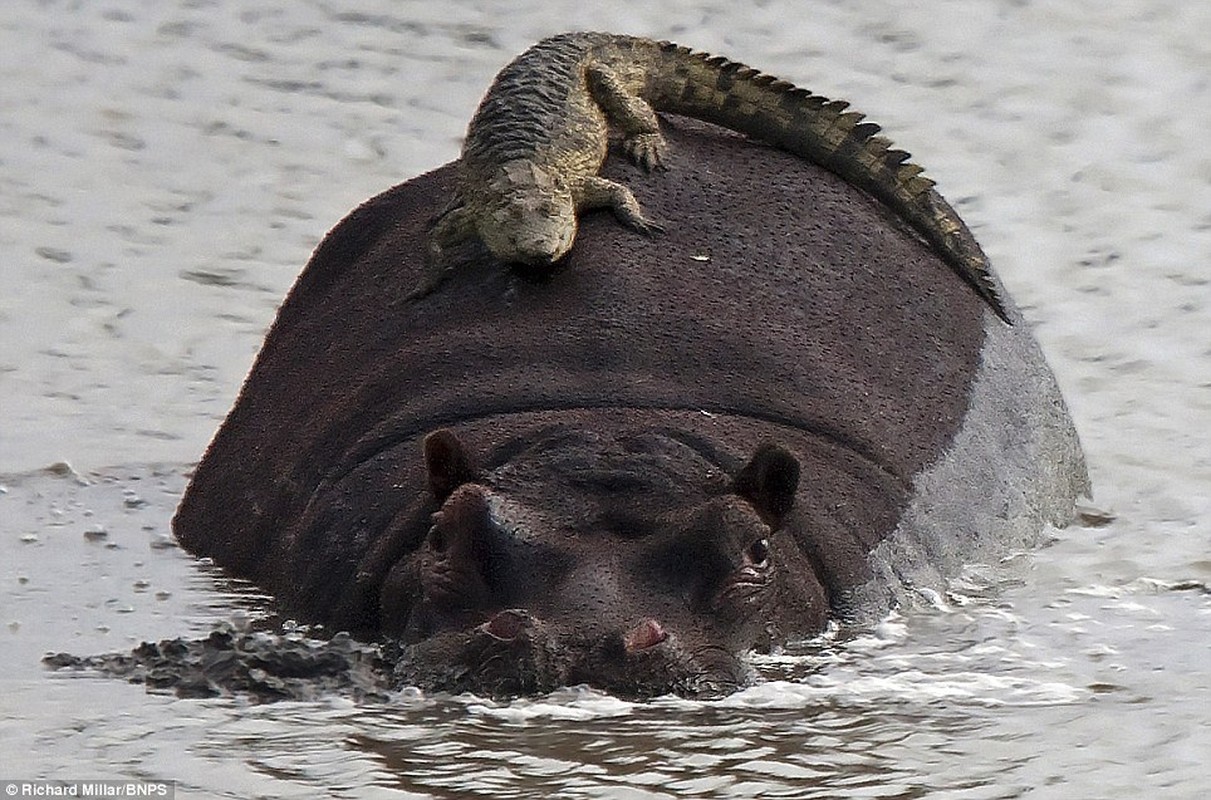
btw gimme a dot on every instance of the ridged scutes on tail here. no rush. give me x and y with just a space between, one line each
717 89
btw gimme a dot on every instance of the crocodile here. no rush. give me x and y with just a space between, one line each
535 146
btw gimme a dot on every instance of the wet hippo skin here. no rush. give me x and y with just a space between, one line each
617 438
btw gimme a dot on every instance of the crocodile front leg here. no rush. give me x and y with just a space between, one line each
598 192
454 227
641 138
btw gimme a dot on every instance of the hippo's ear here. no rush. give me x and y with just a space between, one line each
448 463
769 481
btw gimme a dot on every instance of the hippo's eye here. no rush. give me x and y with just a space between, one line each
437 540
758 553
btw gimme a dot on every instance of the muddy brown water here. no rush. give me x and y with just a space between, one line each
166 169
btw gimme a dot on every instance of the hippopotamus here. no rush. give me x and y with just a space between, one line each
637 467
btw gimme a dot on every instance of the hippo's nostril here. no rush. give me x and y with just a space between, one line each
506 625
648 633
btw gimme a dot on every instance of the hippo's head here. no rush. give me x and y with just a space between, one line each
629 562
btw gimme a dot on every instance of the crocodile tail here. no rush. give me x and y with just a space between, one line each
716 89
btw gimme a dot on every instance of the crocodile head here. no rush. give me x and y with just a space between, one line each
530 216
626 562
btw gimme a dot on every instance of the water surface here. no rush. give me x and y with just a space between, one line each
165 171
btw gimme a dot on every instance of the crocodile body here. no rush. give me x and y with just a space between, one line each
534 148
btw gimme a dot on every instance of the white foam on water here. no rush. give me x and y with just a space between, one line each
907 688
576 703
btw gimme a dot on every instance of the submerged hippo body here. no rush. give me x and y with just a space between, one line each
672 450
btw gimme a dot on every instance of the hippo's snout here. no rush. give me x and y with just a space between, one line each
648 659
516 653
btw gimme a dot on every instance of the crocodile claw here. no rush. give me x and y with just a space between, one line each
648 226
647 150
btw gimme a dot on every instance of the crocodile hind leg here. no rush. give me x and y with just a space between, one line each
598 192
641 138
